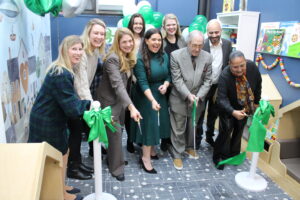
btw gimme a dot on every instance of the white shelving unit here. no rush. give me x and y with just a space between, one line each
245 24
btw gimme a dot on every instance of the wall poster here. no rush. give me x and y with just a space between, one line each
25 53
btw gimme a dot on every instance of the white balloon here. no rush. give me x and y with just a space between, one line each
81 8
69 7
129 9
185 33
148 26
143 3
120 23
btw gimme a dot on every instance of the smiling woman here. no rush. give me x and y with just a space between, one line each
57 101
117 72
149 95
93 37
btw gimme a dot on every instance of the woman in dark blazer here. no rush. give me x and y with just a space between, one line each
57 101
117 69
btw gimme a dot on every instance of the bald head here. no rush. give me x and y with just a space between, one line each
214 31
195 42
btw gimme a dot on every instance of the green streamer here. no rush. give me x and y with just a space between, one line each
97 120
194 112
257 133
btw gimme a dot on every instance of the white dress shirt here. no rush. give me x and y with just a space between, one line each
217 54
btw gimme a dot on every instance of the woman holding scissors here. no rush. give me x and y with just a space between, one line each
153 79
117 69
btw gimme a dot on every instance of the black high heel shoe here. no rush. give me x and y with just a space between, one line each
152 171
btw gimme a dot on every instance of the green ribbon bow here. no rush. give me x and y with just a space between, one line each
257 132
97 120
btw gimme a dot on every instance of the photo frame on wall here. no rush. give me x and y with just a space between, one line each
228 6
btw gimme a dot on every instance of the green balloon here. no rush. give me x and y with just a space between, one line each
195 26
147 13
157 19
41 7
126 20
200 19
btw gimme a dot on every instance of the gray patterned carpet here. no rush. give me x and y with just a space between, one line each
198 180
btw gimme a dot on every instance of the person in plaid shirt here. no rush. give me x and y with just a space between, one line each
57 101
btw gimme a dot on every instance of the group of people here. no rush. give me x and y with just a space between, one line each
151 80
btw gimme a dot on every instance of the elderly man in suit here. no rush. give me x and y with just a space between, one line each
191 77
219 49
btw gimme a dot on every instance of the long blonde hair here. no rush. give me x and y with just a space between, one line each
166 17
86 36
63 59
127 61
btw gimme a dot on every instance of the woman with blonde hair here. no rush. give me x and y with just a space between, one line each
93 38
57 101
172 34
117 71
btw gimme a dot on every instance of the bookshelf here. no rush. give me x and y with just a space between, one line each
245 25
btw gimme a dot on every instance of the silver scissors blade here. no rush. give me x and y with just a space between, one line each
139 125
158 122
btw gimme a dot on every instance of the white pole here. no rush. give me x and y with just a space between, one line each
99 194
97 168
253 164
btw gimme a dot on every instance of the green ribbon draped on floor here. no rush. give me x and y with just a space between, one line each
257 132
97 120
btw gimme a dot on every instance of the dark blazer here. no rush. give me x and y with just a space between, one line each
226 49
227 96
180 42
112 89
55 103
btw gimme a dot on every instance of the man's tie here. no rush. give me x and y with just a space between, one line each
194 62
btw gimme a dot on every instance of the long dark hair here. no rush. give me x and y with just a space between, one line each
146 53
131 23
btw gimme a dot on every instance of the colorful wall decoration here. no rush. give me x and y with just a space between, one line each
280 38
25 54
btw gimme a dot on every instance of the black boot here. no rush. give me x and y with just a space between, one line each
75 172
86 168
165 144
130 146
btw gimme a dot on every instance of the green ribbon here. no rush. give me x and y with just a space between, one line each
194 112
257 132
97 120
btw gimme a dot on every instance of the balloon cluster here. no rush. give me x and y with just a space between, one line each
199 23
70 8
152 18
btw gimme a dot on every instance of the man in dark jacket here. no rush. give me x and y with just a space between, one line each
219 49
239 92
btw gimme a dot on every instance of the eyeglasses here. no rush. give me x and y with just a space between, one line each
196 46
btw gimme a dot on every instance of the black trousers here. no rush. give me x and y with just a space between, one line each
228 142
77 127
212 114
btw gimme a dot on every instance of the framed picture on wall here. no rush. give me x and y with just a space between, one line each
228 5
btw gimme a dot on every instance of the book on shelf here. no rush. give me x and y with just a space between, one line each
228 5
